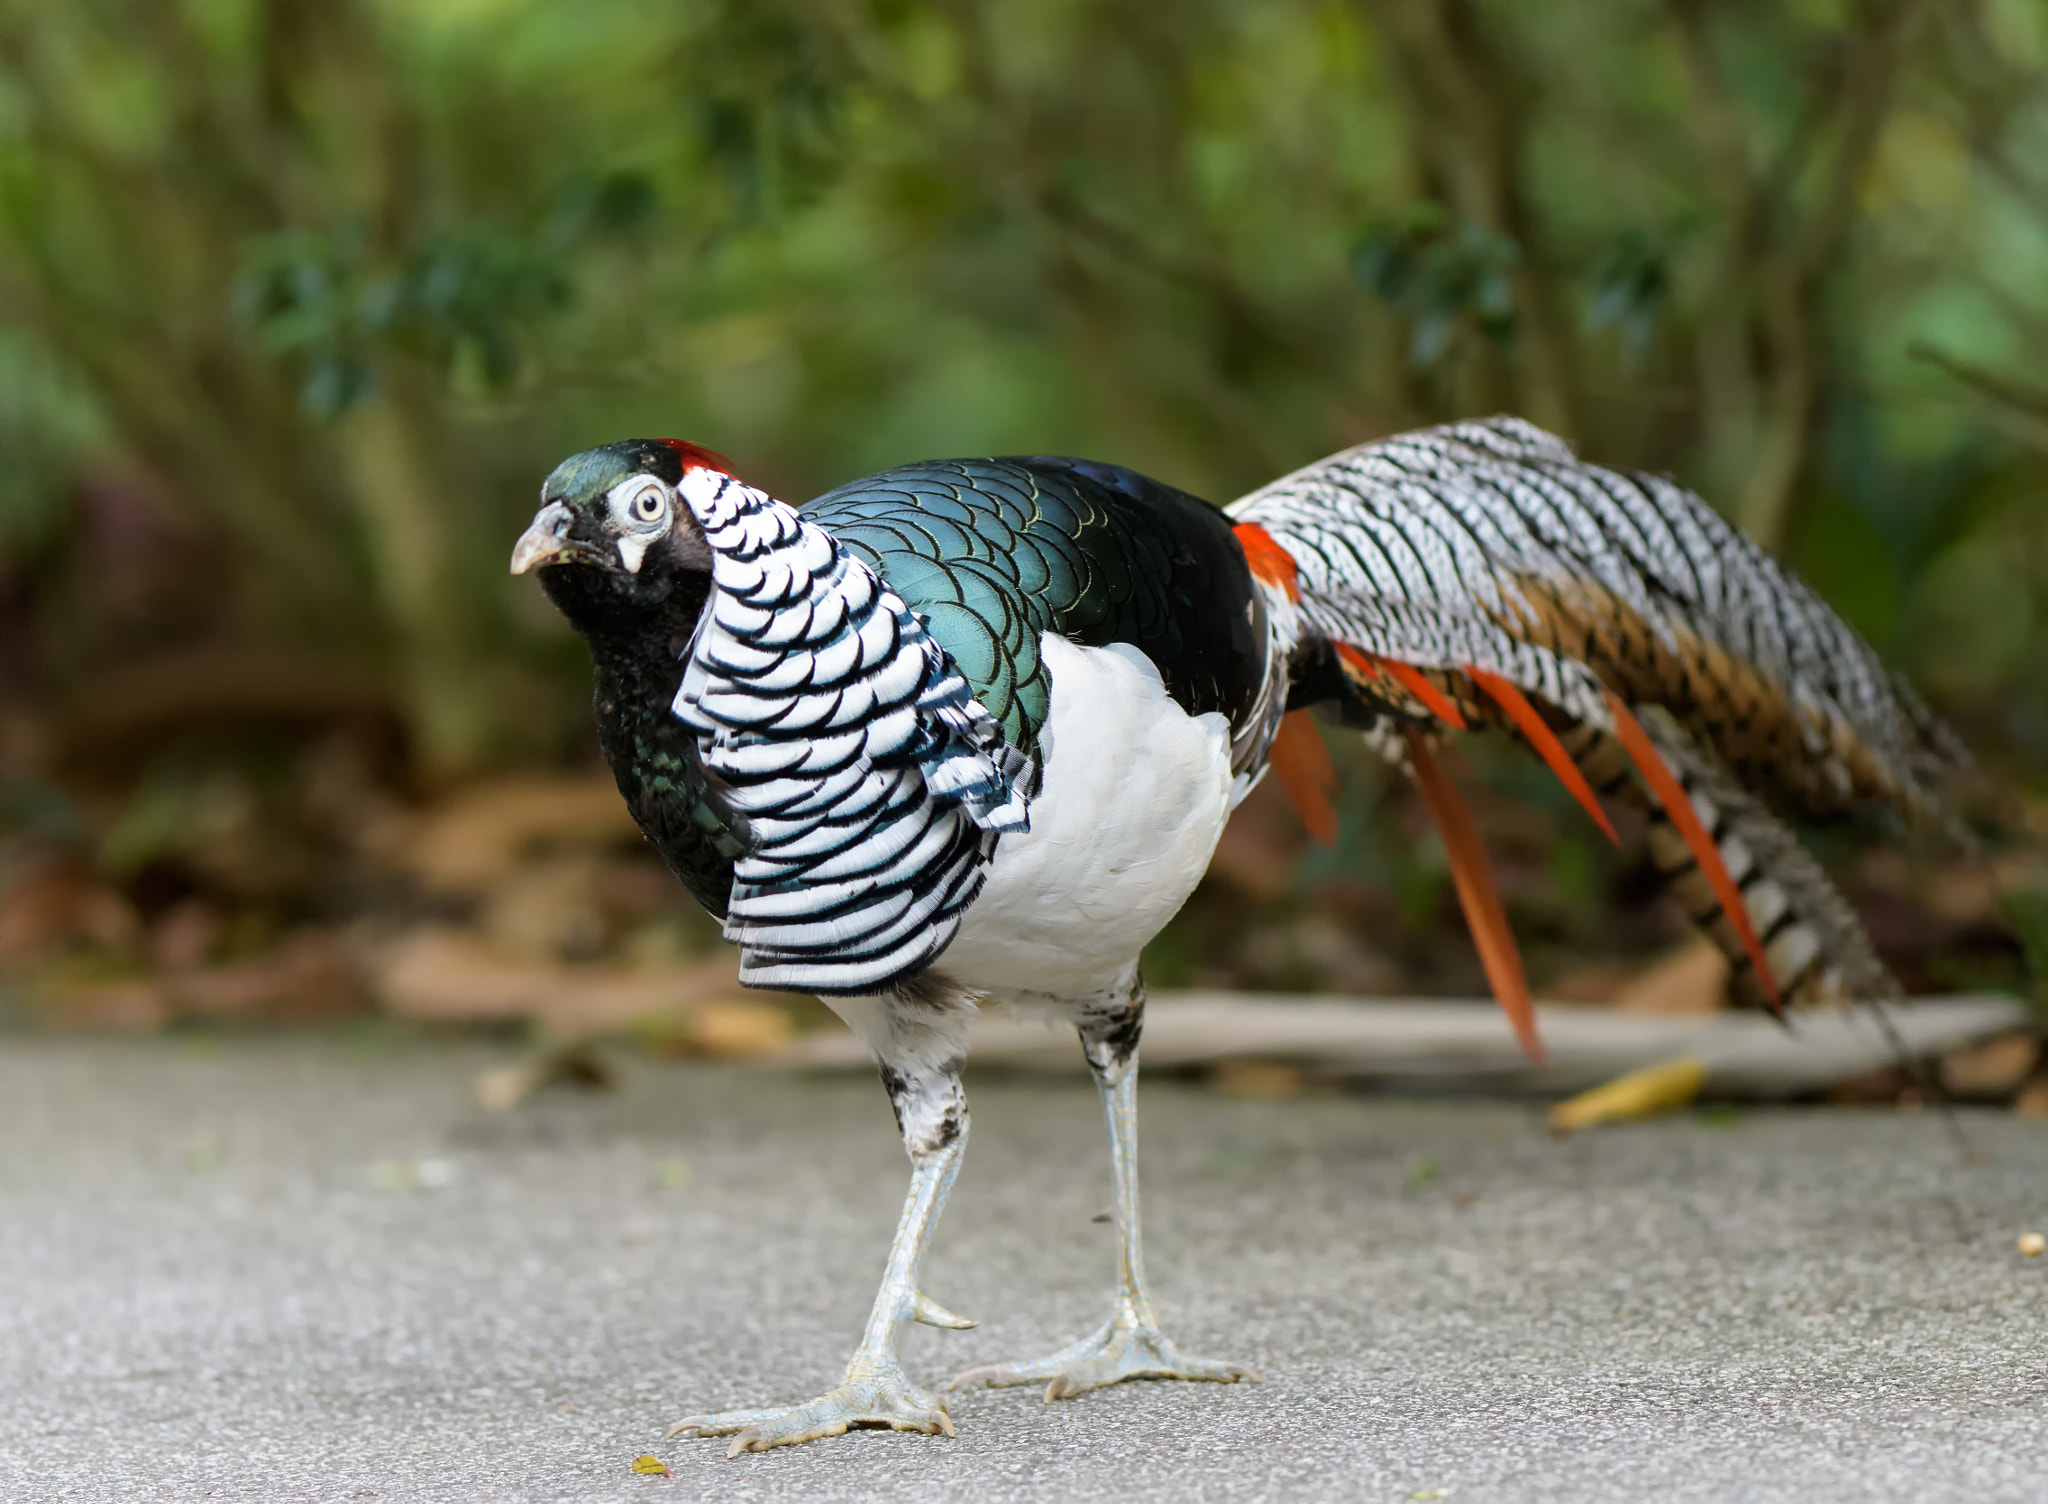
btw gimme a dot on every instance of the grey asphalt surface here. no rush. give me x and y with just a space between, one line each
220 1278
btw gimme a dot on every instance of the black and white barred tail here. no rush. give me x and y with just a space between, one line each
1816 947
874 786
1480 574
1489 544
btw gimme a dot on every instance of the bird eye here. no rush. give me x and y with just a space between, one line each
649 504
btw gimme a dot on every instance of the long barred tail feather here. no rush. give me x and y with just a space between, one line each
1675 802
1479 574
1489 544
1817 948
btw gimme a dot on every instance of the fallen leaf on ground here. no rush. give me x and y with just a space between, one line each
445 974
464 845
548 907
185 938
577 1064
1639 1094
1595 983
1692 979
2032 1245
57 903
736 1029
1992 1068
307 979
1256 1081
136 1006
650 1464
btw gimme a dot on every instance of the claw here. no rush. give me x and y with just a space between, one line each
1111 1354
875 1399
725 1420
931 1313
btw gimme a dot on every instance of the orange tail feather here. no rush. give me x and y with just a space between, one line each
1671 794
1408 676
1303 765
1472 873
1544 740
1417 684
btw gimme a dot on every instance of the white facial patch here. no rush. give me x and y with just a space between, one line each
631 551
639 507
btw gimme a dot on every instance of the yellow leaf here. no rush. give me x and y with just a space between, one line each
1639 1094
647 1462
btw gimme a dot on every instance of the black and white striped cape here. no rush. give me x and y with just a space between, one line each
873 784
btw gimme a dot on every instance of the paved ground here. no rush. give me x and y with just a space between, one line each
221 1278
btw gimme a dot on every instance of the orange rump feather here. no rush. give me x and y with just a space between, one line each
1270 563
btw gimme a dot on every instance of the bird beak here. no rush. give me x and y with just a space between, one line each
547 540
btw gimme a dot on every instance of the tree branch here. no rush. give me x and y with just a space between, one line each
1469 116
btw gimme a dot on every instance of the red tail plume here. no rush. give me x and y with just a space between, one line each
1671 794
1544 740
1472 873
1303 765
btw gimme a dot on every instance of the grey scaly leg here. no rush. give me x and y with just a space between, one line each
1129 1345
918 1040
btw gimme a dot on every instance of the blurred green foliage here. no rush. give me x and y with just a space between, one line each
308 295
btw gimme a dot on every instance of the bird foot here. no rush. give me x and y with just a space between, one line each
1114 1352
880 1399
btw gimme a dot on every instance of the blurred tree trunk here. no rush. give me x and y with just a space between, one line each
127 261
1759 354
1468 119
411 524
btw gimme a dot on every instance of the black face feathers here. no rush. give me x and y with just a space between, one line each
609 553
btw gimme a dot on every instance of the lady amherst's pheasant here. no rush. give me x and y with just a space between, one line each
968 731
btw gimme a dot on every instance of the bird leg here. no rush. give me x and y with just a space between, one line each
919 1059
1129 1345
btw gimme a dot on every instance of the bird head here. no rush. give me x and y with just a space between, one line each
612 533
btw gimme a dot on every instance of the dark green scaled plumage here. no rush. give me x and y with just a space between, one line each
994 552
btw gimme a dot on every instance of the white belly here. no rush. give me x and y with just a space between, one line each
1134 797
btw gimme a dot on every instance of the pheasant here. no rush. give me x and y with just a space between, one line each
967 732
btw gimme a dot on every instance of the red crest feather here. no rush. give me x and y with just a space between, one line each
697 457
